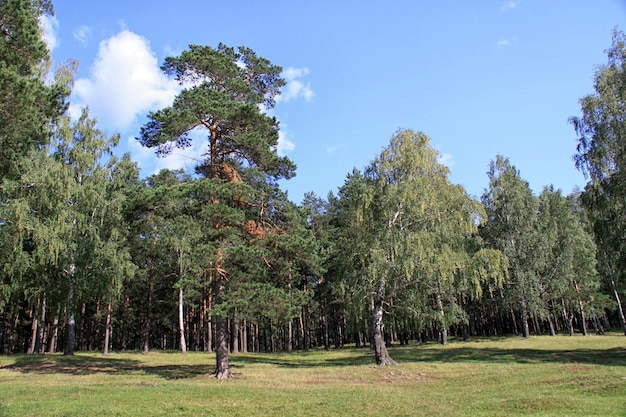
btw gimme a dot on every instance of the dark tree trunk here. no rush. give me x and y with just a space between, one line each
378 327
39 345
33 331
290 336
524 318
234 331
146 327
244 336
2 327
54 334
222 367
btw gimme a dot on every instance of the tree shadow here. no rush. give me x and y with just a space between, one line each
88 364
431 353
605 357
72 365
171 372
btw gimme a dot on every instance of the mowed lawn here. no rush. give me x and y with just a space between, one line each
509 376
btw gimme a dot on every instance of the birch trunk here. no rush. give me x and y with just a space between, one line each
443 330
378 327
181 321
70 340
107 331
619 307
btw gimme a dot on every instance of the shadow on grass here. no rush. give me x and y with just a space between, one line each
429 353
605 357
434 353
73 365
88 364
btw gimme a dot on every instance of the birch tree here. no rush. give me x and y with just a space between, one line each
601 156
420 226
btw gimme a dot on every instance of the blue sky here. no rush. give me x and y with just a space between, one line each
480 78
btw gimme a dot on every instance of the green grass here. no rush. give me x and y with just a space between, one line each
539 376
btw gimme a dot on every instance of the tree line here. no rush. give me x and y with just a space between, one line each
219 259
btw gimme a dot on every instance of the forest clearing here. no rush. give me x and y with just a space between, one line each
538 376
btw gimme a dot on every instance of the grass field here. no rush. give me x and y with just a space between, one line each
539 376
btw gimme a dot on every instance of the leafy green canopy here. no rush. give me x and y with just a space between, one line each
27 104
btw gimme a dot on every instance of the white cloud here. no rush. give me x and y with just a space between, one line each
295 88
446 159
285 145
82 34
125 82
504 42
49 24
510 5
333 148
150 164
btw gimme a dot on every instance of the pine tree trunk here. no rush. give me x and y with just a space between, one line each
290 336
325 330
222 367
378 327
107 331
181 321
244 336
234 331
147 323
551 324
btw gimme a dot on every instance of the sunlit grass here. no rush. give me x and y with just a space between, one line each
551 376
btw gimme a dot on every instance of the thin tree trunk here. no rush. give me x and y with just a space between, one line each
443 329
70 339
290 336
33 331
54 334
551 324
244 336
514 320
148 322
234 331
524 318
581 306
2 328
39 348
325 328
619 307
378 327
301 341
222 367
107 331
181 320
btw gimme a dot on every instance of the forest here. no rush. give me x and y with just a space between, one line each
96 258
